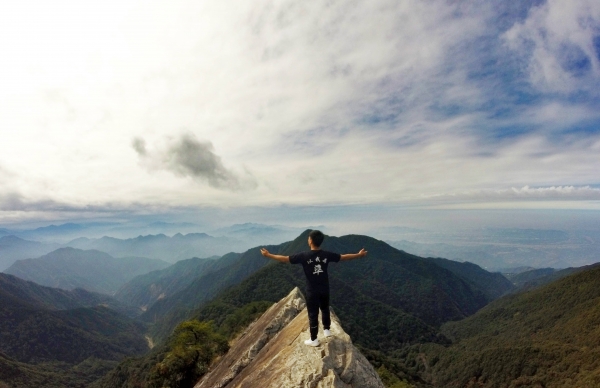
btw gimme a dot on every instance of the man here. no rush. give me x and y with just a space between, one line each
315 263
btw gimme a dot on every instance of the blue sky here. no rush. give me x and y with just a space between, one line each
129 108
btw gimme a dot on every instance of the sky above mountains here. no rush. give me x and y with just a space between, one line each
125 108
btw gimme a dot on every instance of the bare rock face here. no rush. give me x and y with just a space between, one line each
271 353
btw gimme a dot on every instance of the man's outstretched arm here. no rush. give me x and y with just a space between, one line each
352 256
283 259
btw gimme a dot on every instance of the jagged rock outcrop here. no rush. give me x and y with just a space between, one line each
272 353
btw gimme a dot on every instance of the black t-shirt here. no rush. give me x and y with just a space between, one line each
315 265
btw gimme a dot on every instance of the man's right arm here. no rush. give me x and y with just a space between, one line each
283 259
352 256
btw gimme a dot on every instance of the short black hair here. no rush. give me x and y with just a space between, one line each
317 237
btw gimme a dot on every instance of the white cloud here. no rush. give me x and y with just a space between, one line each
571 193
557 41
324 102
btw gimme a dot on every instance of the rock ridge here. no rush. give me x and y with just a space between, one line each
271 354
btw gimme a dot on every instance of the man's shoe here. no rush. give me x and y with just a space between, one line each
327 333
311 342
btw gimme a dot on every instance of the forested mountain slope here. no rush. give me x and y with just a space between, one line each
370 322
144 290
492 284
15 374
547 337
386 287
76 344
410 283
167 312
55 298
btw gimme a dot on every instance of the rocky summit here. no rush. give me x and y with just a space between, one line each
271 353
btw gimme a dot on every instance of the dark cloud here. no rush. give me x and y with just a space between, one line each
139 145
11 201
15 201
189 157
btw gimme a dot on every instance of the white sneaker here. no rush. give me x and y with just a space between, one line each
310 342
327 333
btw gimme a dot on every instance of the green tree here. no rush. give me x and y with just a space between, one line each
194 346
390 380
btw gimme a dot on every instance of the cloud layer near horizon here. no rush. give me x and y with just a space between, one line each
266 103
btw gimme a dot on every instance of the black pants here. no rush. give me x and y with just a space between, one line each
316 300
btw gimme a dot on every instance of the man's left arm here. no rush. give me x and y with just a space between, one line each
281 258
352 256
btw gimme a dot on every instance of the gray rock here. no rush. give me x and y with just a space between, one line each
272 353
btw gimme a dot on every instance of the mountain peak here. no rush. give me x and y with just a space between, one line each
10 239
272 353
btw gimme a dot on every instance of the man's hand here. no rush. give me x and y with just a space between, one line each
264 252
352 256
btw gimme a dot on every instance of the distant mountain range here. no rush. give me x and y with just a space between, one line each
70 268
160 247
69 231
254 233
534 278
48 337
497 248
13 248
236 238
131 238
490 248
66 232
170 249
